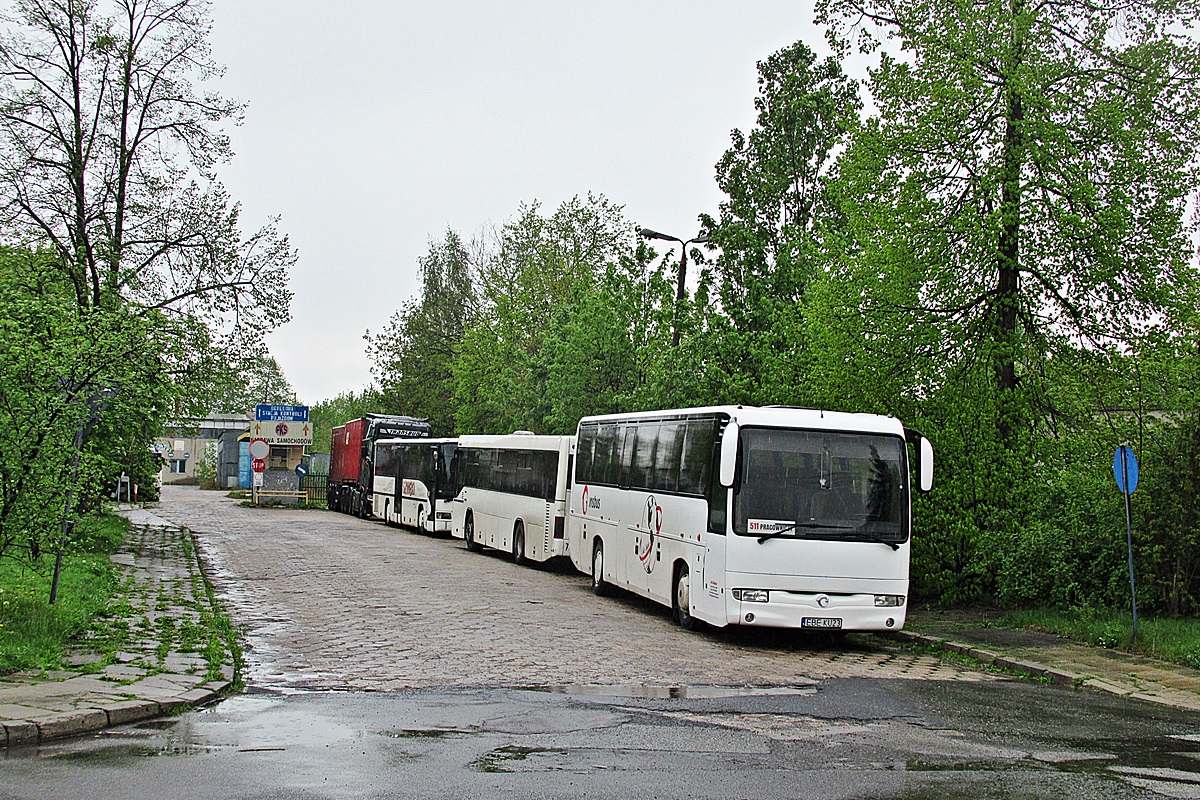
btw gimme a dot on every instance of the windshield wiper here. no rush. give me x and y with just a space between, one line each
867 537
777 534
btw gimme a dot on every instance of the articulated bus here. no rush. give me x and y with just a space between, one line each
414 483
732 515
512 494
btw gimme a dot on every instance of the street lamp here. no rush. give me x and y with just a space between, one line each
97 403
646 233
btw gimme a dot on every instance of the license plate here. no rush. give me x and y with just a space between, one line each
820 622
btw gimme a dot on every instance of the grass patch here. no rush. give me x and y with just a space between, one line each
35 635
1174 640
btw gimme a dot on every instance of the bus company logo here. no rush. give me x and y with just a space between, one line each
281 429
408 487
589 501
653 520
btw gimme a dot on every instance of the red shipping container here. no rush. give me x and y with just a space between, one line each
345 451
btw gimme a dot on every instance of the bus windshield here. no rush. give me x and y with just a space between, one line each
820 485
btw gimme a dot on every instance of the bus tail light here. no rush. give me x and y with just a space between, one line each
559 533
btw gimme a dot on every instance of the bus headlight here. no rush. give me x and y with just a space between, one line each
889 600
751 595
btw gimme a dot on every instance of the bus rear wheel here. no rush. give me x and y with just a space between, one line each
469 534
518 548
599 585
682 600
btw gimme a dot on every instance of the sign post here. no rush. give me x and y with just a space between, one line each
1125 470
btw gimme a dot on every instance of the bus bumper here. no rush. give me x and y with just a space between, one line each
819 611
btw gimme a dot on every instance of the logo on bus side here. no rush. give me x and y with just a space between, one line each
589 502
653 522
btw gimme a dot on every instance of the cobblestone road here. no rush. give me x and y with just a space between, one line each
329 601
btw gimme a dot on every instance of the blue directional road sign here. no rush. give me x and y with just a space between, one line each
279 413
301 470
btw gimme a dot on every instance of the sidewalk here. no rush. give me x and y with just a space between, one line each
1059 660
157 669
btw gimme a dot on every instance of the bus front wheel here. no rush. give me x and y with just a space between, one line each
599 585
518 550
682 600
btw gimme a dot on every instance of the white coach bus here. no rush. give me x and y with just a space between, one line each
414 483
512 494
731 515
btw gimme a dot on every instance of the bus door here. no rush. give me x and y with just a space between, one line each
708 586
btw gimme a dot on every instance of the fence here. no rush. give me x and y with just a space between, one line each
314 486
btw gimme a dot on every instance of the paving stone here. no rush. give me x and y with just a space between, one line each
123 672
128 711
20 732
1105 686
13 711
70 723
198 697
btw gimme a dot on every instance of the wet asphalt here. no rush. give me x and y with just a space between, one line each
847 738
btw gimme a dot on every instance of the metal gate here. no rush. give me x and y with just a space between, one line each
315 485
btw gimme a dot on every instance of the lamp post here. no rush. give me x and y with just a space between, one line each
96 404
646 233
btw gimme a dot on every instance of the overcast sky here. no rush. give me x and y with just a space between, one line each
374 126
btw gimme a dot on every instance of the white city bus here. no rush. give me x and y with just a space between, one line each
731 515
414 483
512 494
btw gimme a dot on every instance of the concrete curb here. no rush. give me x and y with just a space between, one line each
28 732
1058 676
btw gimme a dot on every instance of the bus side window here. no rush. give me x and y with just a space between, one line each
695 466
570 472
584 448
668 454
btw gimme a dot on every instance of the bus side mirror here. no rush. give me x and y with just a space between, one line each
729 450
925 465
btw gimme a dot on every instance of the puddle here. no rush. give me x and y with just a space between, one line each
655 692
503 758
428 733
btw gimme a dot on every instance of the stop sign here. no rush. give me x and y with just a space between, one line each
259 465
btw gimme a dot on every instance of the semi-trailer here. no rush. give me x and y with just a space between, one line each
351 449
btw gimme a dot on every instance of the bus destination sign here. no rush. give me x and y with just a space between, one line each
265 412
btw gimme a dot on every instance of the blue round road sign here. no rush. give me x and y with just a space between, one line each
1125 469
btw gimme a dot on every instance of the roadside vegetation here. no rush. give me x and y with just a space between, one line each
35 635
1172 639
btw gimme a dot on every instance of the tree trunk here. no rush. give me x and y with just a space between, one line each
1008 285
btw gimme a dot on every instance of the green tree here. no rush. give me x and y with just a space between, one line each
412 357
1017 201
56 355
107 152
1022 187
328 414
527 283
